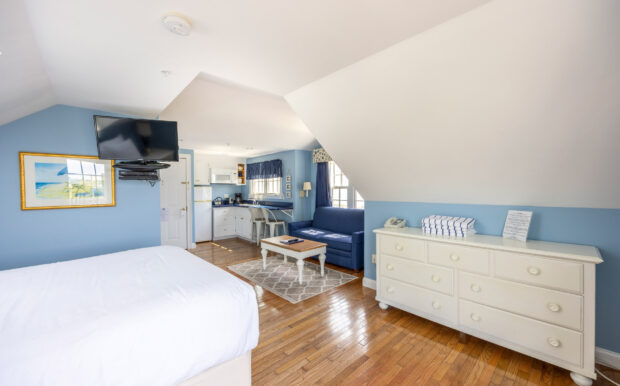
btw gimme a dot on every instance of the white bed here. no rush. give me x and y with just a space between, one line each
152 316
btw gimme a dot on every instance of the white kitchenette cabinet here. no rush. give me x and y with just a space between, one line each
231 221
243 223
202 174
223 222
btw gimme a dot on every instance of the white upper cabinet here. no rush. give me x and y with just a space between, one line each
201 171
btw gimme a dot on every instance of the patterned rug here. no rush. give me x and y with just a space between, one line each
282 278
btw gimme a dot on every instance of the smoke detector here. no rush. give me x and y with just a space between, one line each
177 24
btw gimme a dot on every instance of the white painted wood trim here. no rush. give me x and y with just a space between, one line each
189 191
608 358
582 253
193 245
369 283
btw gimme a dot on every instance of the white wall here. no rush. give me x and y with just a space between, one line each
516 102
218 161
219 117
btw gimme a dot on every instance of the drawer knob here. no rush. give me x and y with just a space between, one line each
475 287
390 290
389 267
553 342
475 317
553 307
454 257
399 247
533 271
436 305
435 279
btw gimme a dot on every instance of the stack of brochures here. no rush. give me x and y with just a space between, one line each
448 226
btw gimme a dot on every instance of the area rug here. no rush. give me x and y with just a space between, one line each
282 278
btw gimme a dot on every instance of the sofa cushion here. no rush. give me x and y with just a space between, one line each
336 241
339 220
333 240
310 233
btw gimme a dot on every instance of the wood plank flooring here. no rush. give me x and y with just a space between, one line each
342 337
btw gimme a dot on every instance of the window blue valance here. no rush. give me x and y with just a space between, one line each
266 169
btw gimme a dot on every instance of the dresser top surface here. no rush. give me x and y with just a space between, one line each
585 253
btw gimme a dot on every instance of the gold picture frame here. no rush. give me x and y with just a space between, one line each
65 181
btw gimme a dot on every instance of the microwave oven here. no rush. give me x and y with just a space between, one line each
223 176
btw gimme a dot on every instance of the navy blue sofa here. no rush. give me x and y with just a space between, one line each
341 229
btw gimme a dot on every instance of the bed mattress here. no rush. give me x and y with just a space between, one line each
151 316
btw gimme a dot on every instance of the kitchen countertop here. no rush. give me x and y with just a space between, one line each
270 207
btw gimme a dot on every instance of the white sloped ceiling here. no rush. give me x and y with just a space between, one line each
24 84
516 102
109 54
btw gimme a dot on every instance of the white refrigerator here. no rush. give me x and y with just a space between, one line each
202 208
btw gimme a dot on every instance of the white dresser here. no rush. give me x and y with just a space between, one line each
536 297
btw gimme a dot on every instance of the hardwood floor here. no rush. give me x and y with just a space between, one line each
342 337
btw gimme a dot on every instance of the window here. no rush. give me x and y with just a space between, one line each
344 194
266 187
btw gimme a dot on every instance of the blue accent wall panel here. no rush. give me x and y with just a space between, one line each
45 236
219 190
597 227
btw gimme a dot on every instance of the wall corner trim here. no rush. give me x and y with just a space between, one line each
372 284
605 357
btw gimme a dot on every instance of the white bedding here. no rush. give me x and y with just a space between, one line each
152 316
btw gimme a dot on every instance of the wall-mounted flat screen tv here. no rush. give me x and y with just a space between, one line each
136 139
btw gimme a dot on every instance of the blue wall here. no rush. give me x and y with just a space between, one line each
295 163
44 236
219 190
597 227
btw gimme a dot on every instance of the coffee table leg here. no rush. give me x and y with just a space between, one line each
322 260
300 268
285 260
264 253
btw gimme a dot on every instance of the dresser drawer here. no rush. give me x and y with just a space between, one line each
546 272
402 247
423 275
465 258
544 338
415 298
551 306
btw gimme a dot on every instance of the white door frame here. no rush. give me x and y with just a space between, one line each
188 198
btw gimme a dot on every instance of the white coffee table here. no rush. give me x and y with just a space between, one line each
299 251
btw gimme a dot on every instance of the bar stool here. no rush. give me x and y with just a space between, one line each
273 222
257 222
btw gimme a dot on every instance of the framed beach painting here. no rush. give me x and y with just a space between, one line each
61 181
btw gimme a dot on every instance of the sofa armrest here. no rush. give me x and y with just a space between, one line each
358 237
293 226
357 250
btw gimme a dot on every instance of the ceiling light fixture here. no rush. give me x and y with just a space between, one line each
177 23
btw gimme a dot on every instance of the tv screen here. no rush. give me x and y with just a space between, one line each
136 139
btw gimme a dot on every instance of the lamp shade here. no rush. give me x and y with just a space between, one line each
307 186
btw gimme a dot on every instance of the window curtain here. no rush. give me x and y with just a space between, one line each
323 191
266 169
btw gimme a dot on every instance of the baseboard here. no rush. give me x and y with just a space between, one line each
369 283
607 358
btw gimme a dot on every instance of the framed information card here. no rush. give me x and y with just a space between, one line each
517 224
